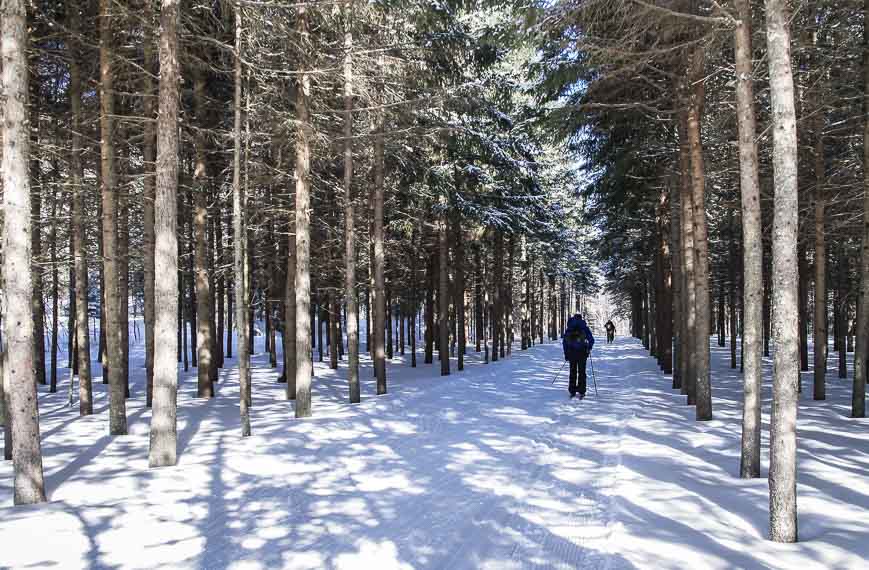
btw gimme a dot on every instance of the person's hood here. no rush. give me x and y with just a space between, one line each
575 322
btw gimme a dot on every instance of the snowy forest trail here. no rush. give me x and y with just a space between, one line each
493 467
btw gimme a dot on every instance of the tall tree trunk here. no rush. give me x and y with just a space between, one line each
644 313
562 304
861 354
349 222
216 343
665 305
230 304
731 295
250 256
204 340
689 294
78 224
332 307
752 246
72 352
221 284
508 297
496 294
183 312
553 322
782 469
190 274
414 295
36 184
487 317
841 310
701 381
677 298
318 319
803 307
55 292
820 331
164 434
379 261
304 138
459 301
720 317
18 331
479 331
390 329
124 284
239 205
429 312
400 310
269 278
289 336
114 334
101 347
443 291
148 189
527 303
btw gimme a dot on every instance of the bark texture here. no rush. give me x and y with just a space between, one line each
861 353
164 436
114 304
78 228
443 294
18 331
304 139
204 334
379 258
239 202
786 363
701 380
820 321
752 247
349 223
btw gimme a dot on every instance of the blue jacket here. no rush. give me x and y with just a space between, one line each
575 349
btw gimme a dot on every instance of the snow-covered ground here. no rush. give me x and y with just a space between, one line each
490 468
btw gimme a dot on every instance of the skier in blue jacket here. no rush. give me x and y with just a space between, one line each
577 341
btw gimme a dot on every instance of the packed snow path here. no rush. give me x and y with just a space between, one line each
489 468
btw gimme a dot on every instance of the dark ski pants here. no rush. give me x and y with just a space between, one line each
577 375
610 336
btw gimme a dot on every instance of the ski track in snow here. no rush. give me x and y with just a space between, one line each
490 468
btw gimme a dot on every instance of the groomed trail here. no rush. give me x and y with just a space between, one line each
493 467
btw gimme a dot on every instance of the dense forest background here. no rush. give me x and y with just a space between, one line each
346 176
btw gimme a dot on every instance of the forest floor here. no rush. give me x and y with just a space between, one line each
490 468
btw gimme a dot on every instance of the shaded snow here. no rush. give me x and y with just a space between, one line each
490 468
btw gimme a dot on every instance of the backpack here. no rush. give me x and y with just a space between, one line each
576 337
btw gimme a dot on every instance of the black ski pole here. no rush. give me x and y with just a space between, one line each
557 374
593 376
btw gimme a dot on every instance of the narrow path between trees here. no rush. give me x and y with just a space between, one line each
490 468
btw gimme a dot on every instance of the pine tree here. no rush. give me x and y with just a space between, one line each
78 226
22 412
304 364
113 302
349 218
164 436
782 470
752 244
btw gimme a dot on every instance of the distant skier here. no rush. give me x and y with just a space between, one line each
577 341
610 331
